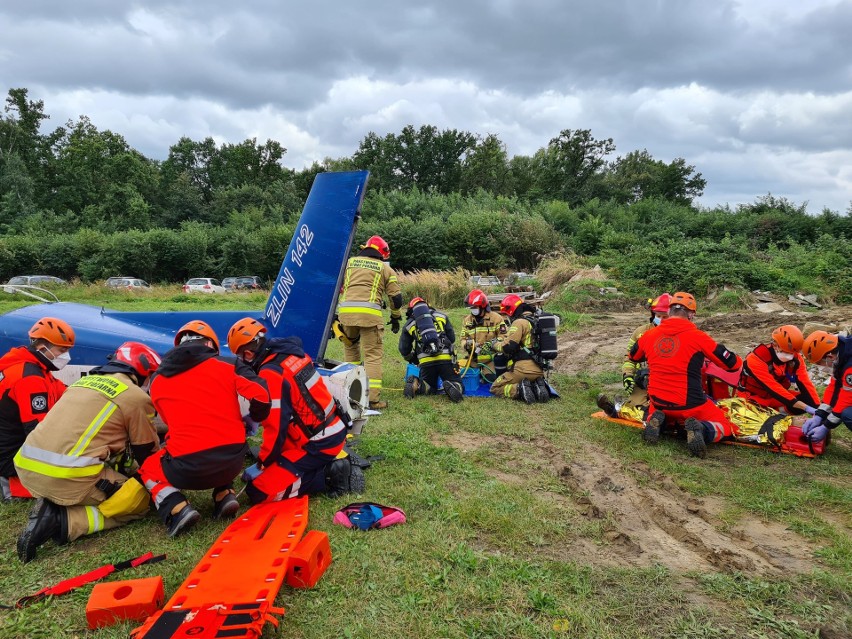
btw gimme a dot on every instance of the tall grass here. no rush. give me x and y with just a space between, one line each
441 289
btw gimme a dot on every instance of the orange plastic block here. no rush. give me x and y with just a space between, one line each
115 601
309 560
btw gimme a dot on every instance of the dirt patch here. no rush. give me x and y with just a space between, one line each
646 519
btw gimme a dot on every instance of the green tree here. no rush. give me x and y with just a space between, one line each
638 176
570 167
487 167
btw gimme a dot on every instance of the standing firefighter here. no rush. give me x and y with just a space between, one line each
525 378
28 390
306 428
427 341
103 417
196 392
368 279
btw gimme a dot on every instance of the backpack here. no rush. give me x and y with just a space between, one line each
545 346
368 516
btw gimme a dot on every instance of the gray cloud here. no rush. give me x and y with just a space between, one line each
754 93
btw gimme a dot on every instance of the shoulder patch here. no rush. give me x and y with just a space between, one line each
38 402
847 382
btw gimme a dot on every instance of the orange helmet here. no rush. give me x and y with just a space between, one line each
378 243
788 338
244 332
817 345
477 298
197 327
684 299
661 303
141 358
53 330
415 301
510 304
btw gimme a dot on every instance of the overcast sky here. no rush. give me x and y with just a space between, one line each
756 94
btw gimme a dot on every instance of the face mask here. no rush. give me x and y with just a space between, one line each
656 321
59 361
784 357
474 311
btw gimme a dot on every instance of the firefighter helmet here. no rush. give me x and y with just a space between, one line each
661 304
141 358
196 327
510 304
415 301
684 299
788 338
477 298
378 243
817 345
53 330
244 332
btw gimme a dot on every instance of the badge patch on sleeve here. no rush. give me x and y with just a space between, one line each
39 403
847 382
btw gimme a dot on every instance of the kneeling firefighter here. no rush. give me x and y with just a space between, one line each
427 341
478 329
101 419
306 428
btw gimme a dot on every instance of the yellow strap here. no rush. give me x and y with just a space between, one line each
92 429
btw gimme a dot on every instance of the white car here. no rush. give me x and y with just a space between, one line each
203 285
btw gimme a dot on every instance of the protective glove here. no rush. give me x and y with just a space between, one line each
251 425
818 434
811 424
251 473
810 410
394 324
629 383
468 345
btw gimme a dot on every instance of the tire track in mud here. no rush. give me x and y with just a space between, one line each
657 522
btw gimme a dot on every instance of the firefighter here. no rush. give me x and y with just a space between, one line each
636 405
368 279
103 420
835 353
306 428
478 329
770 370
427 341
28 390
675 351
196 392
525 378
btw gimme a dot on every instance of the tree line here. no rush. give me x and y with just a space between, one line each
76 201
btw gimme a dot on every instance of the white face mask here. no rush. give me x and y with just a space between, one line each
784 357
656 321
474 311
59 361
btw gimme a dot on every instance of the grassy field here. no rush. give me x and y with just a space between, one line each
524 521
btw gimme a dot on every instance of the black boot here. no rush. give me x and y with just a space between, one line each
47 521
526 392
695 437
541 390
653 426
454 391
342 477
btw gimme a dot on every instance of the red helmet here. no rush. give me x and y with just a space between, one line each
510 304
817 345
684 299
661 303
415 301
197 327
788 338
244 332
55 331
141 358
477 298
378 243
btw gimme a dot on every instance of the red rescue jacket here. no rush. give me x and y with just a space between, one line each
304 418
27 391
766 376
196 392
675 351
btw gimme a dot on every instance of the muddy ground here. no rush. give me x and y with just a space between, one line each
656 522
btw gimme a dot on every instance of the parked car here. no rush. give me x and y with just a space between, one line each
248 282
37 280
127 282
203 285
228 283
484 281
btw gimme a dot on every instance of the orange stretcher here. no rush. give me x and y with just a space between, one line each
792 445
230 593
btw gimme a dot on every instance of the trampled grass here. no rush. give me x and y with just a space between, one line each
497 542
